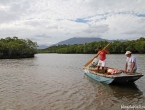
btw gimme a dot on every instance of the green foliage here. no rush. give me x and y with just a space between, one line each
135 46
17 48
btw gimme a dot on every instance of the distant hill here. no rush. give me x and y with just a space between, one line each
79 40
82 40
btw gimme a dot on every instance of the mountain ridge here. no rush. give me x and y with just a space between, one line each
78 40
82 40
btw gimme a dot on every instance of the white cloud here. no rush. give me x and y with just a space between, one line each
50 21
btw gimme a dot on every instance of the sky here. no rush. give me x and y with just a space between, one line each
48 22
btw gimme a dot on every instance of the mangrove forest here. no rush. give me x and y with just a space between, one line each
17 48
116 47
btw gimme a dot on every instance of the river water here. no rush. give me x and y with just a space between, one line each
57 82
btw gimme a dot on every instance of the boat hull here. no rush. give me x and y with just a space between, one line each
126 79
99 78
121 78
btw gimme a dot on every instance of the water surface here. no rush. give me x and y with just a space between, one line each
57 82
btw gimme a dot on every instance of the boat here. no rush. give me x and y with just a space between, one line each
118 76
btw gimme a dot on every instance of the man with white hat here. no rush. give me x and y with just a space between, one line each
131 64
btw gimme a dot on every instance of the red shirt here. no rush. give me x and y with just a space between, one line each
102 55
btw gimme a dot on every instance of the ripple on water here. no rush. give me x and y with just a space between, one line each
57 82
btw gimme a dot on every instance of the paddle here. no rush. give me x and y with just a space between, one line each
96 55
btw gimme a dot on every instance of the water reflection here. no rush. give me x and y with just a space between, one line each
129 90
117 95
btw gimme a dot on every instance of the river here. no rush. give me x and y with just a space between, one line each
57 82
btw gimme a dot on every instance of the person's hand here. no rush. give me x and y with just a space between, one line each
125 71
130 71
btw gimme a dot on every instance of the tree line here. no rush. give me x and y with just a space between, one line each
17 48
135 46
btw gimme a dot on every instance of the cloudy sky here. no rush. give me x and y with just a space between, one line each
50 21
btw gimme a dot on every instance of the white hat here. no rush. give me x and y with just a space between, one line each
128 52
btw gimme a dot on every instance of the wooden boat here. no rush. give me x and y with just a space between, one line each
118 77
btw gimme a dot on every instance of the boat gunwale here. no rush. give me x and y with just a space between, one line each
113 76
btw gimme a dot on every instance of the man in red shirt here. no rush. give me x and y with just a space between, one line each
102 59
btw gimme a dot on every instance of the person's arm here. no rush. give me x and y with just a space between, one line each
97 53
126 67
106 51
132 66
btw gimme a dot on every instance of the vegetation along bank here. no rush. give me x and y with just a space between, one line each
17 48
116 47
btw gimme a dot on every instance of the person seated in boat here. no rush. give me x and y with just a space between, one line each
131 64
102 62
